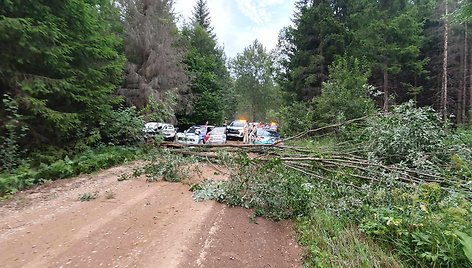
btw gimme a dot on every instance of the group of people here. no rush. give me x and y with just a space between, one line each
249 133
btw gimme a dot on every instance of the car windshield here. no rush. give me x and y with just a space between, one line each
193 129
266 133
218 131
238 124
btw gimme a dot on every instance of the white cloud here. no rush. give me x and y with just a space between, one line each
238 22
253 11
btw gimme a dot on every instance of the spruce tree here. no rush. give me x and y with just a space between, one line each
201 16
316 38
60 64
206 63
154 70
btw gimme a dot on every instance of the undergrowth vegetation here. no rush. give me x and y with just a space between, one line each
405 185
163 165
91 160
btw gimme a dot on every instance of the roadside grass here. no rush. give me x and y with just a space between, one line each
329 242
89 161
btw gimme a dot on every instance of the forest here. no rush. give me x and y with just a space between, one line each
79 78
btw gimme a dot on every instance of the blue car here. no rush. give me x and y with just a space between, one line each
266 137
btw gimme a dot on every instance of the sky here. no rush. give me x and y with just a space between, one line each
238 22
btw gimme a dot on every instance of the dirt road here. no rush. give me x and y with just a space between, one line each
134 223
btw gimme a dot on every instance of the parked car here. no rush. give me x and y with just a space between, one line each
274 126
266 137
236 129
194 135
152 129
216 136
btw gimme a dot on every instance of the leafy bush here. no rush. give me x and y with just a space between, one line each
466 241
408 135
294 118
345 95
22 178
123 127
329 242
272 190
209 190
10 135
420 225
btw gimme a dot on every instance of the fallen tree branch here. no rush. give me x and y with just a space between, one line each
323 128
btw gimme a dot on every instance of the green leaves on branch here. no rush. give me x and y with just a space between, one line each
345 95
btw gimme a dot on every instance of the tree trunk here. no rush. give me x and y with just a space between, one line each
464 77
445 62
470 88
385 85
460 90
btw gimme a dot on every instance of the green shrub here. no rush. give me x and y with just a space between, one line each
123 127
272 190
22 178
420 225
89 161
294 118
466 241
345 95
11 132
407 135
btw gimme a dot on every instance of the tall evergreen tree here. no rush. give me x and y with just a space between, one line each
154 71
60 63
206 63
201 16
389 33
317 37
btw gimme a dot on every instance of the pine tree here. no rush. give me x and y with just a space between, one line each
206 63
60 63
154 70
201 16
390 35
317 37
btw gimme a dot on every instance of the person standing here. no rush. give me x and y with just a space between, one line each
253 134
246 133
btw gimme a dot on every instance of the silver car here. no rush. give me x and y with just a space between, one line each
216 136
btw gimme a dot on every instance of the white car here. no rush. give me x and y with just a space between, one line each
216 136
236 129
153 128
194 135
